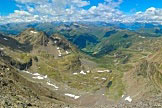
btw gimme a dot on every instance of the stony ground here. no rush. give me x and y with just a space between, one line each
13 94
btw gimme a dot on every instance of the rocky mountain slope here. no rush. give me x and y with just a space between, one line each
76 67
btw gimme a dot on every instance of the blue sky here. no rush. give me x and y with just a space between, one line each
139 5
128 6
7 6
90 10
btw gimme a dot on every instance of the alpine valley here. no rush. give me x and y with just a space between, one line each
80 65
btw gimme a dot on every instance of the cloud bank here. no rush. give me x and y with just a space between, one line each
73 10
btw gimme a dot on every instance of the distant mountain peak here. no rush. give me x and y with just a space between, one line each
33 37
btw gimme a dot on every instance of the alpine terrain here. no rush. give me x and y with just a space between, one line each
80 65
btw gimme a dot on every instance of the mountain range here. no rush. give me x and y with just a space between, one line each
80 65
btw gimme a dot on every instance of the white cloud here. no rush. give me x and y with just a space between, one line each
21 13
113 3
150 15
80 3
19 16
72 10
104 12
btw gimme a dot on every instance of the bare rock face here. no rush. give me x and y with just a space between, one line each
17 92
17 64
22 66
61 42
33 37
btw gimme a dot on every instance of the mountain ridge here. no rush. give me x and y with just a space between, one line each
71 75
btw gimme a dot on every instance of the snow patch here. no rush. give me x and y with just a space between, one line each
36 74
48 83
55 42
122 96
103 78
67 52
26 72
57 38
5 38
82 72
38 77
33 32
59 53
129 99
45 76
75 73
71 95
1 48
141 37
101 71
88 71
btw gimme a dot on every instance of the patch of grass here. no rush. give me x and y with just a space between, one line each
117 88
90 82
25 57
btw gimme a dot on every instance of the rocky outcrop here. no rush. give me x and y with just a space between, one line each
61 42
18 92
16 64
21 66
33 37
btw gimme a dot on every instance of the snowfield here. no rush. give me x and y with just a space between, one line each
48 83
129 99
71 95
33 32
